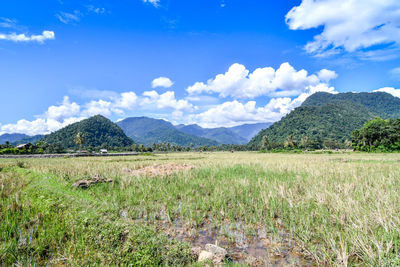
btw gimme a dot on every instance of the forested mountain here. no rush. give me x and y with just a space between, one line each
334 117
11 137
248 131
221 135
97 131
148 131
379 103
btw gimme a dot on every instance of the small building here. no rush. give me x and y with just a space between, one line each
103 151
24 146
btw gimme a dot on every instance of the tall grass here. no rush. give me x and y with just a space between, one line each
342 209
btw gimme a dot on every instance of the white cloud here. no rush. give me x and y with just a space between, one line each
389 90
68 18
347 25
117 105
238 82
101 107
38 126
127 100
327 75
234 113
162 82
63 111
165 100
46 35
155 3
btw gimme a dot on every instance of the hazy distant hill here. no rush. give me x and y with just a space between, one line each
16 138
28 139
97 131
147 131
12 137
332 116
248 131
221 135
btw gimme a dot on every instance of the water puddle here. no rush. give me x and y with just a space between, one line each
260 248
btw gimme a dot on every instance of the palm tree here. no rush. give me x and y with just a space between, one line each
79 140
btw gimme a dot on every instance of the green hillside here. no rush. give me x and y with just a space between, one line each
98 131
326 116
222 135
148 131
380 104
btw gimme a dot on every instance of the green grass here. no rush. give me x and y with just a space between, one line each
46 221
341 209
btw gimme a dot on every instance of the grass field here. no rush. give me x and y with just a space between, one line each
300 209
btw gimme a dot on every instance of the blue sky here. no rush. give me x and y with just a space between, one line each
221 63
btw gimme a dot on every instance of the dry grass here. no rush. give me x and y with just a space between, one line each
342 209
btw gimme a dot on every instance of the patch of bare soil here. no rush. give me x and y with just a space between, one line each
159 169
86 183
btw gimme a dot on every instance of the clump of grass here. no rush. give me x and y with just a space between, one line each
20 164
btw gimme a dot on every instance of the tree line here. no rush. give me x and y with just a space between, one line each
378 135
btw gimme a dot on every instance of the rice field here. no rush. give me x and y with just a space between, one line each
339 209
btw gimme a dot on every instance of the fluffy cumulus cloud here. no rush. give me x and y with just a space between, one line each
162 82
389 90
46 35
56 117
233 113
238 82
117 105
63 111
347 25
166 100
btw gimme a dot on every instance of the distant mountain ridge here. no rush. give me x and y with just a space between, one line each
17 138
330 116
248 131
222 135
13 137
147 131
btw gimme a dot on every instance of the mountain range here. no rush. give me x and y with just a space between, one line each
325 116
147 131
322 116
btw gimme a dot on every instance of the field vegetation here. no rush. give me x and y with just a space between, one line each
309 209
